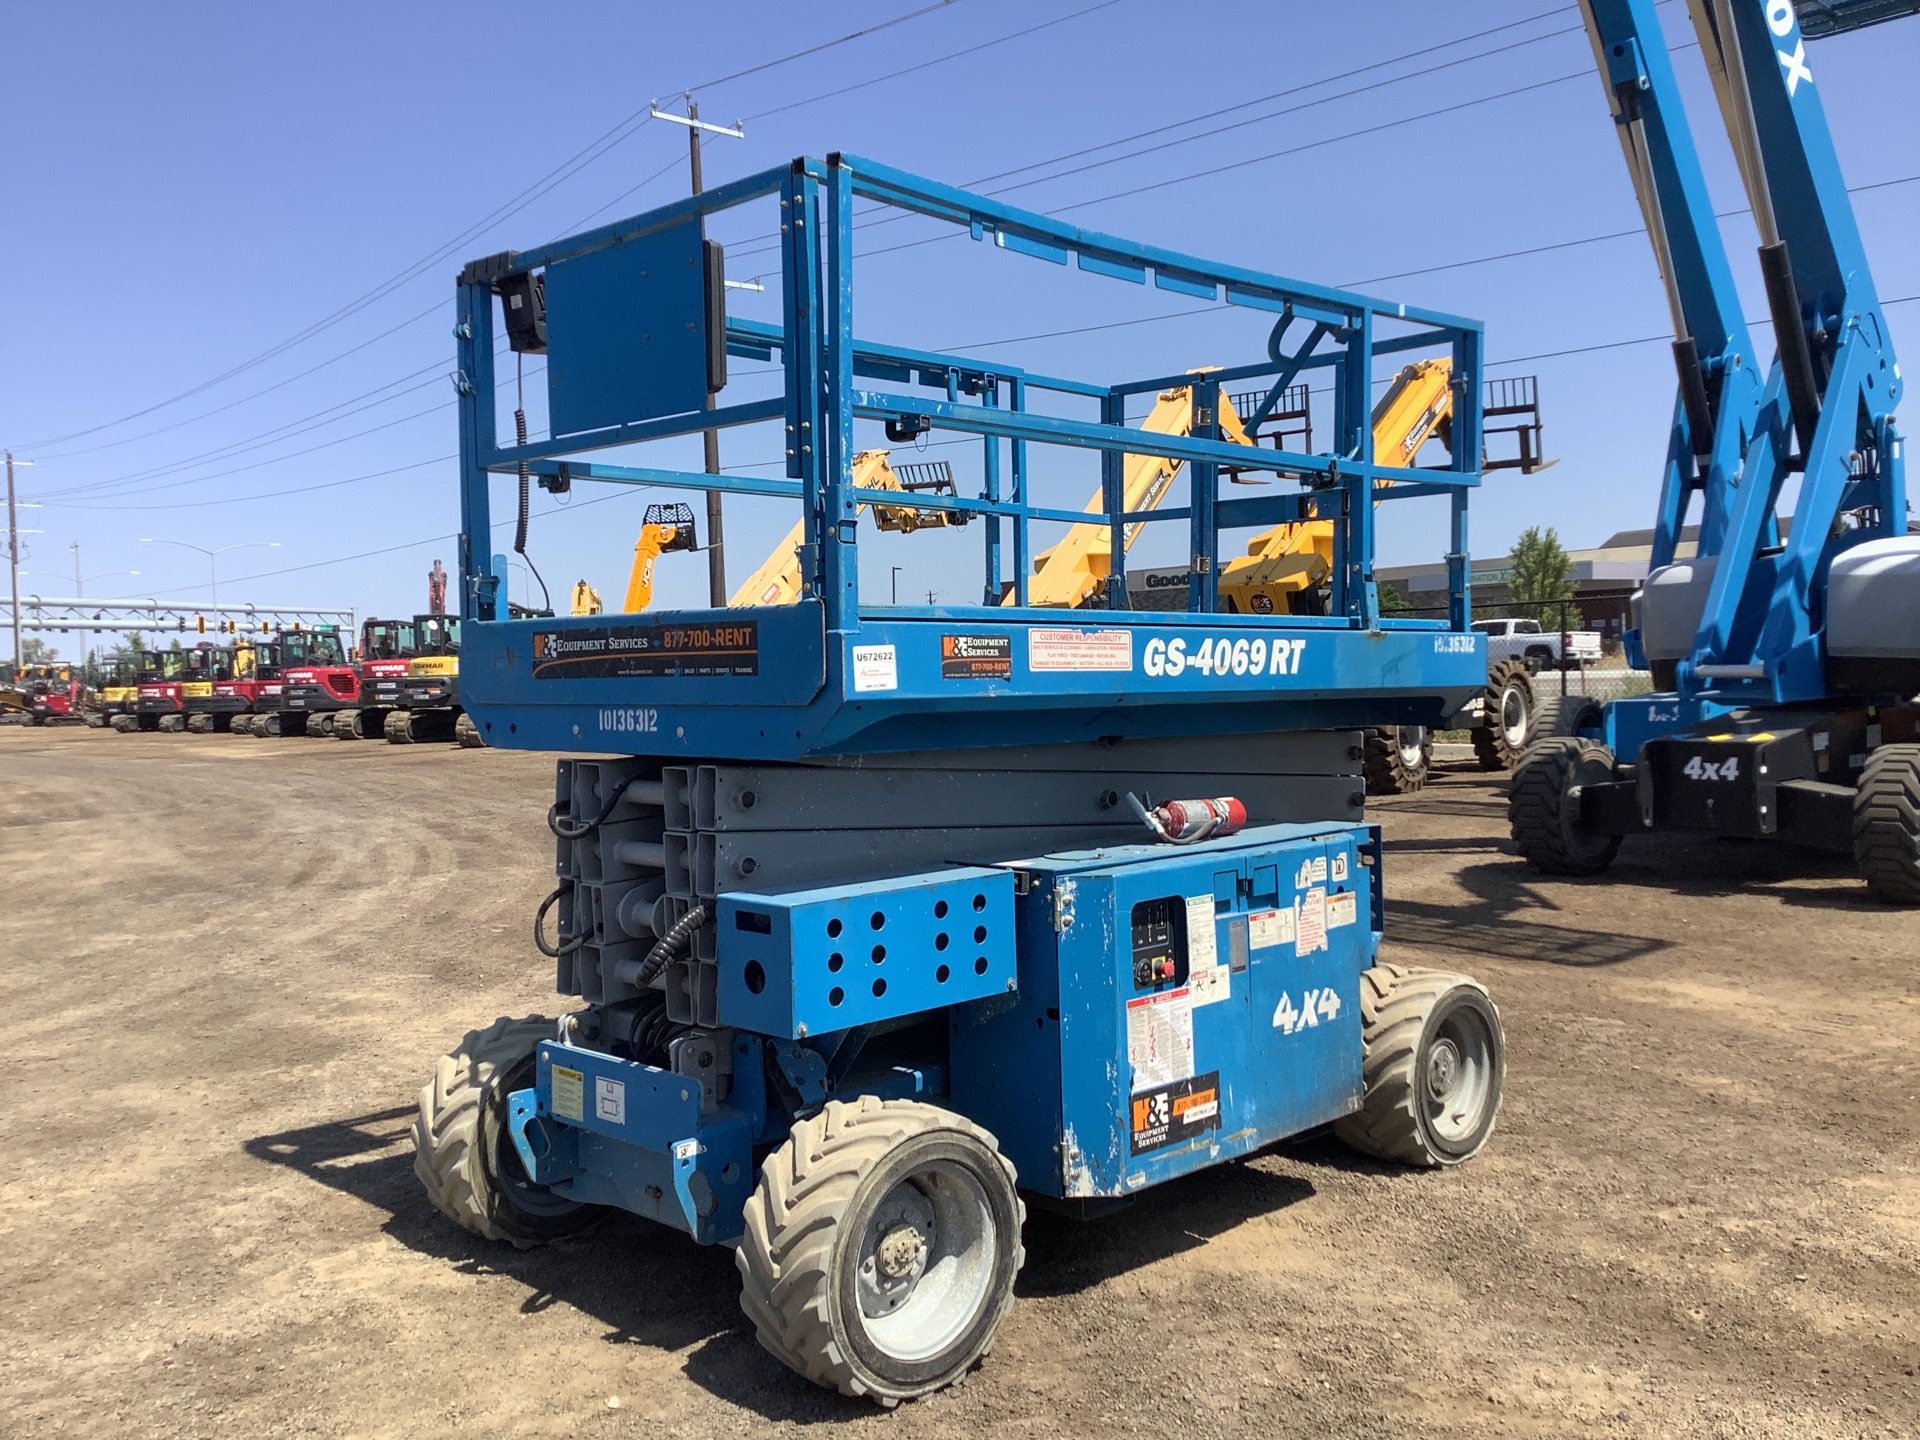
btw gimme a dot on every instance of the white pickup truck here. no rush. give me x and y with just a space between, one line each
1540 649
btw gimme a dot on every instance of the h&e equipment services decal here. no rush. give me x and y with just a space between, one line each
976 657
623 652
1176 1112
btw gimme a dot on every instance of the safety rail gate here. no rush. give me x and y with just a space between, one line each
632 321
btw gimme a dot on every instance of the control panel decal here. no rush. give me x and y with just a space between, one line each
1160 1038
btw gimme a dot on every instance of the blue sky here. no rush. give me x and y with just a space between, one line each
187 188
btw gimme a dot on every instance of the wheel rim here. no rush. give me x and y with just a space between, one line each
1515 715
1412 741
1456 1075
926 1262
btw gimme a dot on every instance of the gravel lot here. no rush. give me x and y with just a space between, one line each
226 966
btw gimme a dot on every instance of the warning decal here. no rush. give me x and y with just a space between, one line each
1079 650
569 1094
1341 909
1160 1038
1270 928
1207 978
976 657
1176 1112
1310 923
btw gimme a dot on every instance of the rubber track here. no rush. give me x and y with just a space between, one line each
1886 824
1394 1005
786 1256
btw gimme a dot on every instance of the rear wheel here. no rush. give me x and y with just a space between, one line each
462 1152
1398 759
1506 714
399 728
1434 1064
468 733
1886 824
1543 806
881 1248
1564 715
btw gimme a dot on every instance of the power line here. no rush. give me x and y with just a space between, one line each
573 228
565 170
268 495
1434 69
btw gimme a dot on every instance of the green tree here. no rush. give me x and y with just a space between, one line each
1541 575
1392 602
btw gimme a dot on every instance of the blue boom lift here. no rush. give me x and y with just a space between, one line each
881 918
1784 654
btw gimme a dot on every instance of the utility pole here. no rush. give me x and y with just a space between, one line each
13 562
710 439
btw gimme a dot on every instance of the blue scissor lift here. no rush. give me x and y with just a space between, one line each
1784 656
868 934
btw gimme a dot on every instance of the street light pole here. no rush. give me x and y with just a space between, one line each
13 562
213 574
13 554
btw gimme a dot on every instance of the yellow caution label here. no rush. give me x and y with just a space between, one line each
569 1093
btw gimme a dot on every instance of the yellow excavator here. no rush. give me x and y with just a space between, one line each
778 581
1075 570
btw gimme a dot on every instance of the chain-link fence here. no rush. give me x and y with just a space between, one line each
1573 647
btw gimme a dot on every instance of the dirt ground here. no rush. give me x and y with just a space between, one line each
226 966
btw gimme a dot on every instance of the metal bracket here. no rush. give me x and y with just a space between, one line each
805 1070
1064 895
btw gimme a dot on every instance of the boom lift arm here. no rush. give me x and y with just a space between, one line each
779 580
1288 562
1825 410
1073 571
663 529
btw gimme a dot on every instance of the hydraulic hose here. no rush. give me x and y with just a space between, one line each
668 946
562 826
520 523
564 945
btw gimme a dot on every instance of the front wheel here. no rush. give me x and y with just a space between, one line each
1886 824
1543 806
881 1248
1434 1064
463 1153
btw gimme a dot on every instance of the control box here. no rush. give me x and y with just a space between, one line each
1175 1006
